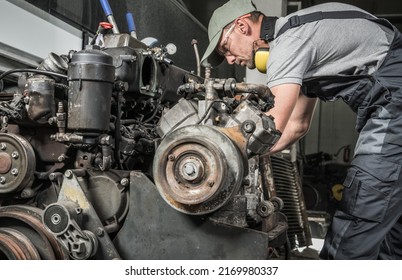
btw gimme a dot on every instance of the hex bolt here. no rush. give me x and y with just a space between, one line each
189 169
2 180
171 157
14 171
3 146
248 126
78 210
15 155
124 182
52 176
211 183
68 174
61 158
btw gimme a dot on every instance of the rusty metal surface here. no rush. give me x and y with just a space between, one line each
25 221
262 91
17 245
267 179
194 172
221 163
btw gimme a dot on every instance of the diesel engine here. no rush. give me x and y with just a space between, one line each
113 152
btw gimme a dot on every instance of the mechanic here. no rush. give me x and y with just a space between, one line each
331 51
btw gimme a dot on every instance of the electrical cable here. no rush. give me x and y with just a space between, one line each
209 109
43 72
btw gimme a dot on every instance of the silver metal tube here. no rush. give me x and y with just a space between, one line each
112 21
194 42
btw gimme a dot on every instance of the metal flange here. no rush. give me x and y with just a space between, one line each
17 163
197 169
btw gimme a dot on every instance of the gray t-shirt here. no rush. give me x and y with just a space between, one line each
326 47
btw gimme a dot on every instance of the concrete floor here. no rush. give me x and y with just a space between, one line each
310 252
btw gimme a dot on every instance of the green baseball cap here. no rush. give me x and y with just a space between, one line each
220 18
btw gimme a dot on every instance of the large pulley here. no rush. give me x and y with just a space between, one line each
17 163
24 237
197 169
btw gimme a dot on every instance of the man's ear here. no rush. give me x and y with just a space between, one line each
243 26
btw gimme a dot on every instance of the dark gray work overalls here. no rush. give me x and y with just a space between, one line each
368 223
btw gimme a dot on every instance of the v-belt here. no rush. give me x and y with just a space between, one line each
267 30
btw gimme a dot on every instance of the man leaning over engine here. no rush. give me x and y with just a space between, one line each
331 51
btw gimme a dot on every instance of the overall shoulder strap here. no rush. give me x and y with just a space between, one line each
267 32
296 20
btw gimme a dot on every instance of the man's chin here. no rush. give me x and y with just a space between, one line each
247 63
251 65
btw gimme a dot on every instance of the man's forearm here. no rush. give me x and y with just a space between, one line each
291 134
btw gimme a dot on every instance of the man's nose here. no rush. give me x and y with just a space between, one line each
231 59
